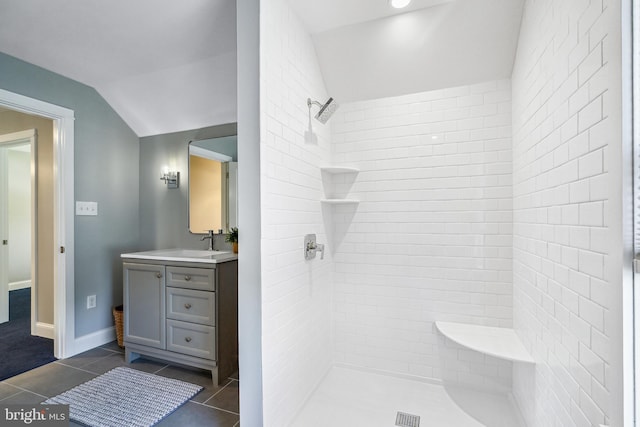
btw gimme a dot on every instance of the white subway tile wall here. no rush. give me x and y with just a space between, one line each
296 294
560 94
431 238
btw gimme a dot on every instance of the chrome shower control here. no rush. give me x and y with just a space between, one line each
311 247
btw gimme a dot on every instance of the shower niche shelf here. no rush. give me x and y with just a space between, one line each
339 170
340 201
502 343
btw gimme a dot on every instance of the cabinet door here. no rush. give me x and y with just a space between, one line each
144 305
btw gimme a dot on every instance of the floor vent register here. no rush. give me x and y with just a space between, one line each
407 420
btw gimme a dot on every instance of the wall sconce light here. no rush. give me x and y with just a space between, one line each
172 179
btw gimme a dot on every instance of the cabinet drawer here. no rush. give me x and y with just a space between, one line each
191 306
192 278
191 339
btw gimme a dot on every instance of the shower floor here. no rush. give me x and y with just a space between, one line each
350 397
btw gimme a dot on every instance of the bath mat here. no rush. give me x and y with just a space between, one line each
124 397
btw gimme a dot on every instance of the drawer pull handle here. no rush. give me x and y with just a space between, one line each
187 278
188 339
187 306
159 275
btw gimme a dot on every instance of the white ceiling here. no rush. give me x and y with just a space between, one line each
380 52
320 16
167 66
164 66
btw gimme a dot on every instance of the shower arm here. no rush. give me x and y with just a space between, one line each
310 103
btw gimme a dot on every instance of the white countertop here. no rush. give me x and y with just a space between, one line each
184 255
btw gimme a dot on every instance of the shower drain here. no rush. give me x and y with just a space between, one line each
407 420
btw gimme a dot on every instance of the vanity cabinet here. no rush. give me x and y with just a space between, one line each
185 313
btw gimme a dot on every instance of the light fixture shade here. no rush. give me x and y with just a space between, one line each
399 4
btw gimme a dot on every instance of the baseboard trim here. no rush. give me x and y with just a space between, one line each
14 286
93 340
44 330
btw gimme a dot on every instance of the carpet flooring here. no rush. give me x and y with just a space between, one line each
20 350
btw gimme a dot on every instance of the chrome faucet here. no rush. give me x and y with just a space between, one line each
210 237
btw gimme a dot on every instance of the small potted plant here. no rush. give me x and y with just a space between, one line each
232 238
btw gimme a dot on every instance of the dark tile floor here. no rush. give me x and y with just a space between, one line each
215 406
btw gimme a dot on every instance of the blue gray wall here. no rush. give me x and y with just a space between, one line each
106 171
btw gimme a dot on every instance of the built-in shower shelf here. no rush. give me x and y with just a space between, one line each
339 169
502 343
340 201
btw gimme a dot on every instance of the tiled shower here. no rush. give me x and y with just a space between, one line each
492 203
431 237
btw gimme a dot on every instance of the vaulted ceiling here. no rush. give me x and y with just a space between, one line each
164 66
368 50
168 66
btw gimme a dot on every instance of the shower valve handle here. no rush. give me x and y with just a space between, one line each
311 247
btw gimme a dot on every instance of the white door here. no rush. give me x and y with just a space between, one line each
4 236
8 142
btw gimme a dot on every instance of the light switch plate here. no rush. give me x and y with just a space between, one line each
87 208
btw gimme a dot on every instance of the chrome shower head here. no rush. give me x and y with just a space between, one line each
326 110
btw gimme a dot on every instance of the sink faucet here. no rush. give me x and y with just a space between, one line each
210 237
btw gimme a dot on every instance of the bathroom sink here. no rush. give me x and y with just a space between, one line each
185 255
190 253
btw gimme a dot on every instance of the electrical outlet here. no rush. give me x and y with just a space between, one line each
91 301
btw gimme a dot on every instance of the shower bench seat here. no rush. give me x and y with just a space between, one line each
502 343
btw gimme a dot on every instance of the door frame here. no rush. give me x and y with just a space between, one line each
630 35
63 219
7 141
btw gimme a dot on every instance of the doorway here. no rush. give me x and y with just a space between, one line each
19 266
61 221
18 197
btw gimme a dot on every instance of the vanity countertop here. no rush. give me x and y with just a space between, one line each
184 255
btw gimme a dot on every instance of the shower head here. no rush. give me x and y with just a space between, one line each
326 110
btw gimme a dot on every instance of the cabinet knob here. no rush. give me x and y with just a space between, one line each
187 278
188 339
187 306
159 275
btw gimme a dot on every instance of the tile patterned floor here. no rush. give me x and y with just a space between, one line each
215 406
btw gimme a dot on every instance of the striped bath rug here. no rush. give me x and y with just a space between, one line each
124 397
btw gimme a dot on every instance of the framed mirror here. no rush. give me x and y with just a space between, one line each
213 184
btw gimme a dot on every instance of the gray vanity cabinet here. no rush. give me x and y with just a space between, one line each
146 324
183 312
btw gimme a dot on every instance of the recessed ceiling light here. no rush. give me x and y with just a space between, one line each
399 4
